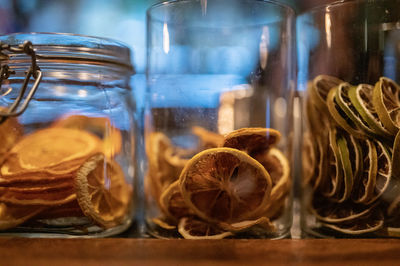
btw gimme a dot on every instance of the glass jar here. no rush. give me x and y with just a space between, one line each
218 119
349 74
66 161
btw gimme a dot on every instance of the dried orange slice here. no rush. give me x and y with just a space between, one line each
10 132
163 223
102 191
70 209
252 140
12 215
244 225
172 203
51 147
225 185
192 228
100 126
208 139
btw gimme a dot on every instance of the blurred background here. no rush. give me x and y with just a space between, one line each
123 20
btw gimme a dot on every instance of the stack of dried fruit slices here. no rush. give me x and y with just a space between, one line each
228 185
62 178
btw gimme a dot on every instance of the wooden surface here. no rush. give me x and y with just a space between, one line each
122 251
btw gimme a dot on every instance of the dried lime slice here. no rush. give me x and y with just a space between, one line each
341 117
364 225
320 88
342 98
364 188
332 184
384 171
331 212
386 99
361 98
345 149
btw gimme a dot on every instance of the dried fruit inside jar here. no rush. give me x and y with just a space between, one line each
230 186
350 170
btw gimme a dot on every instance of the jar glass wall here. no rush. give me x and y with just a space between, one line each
218 119
349 72
67 161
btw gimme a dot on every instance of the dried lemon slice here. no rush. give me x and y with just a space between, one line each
208 138
102 192
172 203
12 215
100 126
192 228
386 100
51 147
252 140
225 185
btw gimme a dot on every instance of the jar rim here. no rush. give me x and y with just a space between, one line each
75 47
338 3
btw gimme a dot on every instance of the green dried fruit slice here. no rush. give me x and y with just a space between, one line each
361 98
341 117
364 189
331 212
364 225
319 165
332 182
386 99
320 88
345 149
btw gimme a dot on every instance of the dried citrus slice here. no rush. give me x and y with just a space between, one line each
172 204
332 183
365 186
252 140
70 209
363 225
225 185
10 132
100 126
102 191
320 169
340 117
192 228
361 98
244 225
51 147
346 155
318 91
277 166
309 159
163 223
386 100
332 212
11 215
208 139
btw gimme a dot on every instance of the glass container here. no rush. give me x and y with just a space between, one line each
349 75
67 136
218 119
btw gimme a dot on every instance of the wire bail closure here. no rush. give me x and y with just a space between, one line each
19 105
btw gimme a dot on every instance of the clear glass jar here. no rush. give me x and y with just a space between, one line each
66 162
349 73
218 119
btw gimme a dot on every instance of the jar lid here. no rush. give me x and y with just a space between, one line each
74 48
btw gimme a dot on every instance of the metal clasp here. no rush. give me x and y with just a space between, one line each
19 105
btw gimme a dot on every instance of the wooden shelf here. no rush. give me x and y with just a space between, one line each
123 251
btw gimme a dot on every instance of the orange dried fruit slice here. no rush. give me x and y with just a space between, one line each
100 126
193 228
70 209
51 147
10 132
102 191
252 140
208 139
163 223
11 215
244 225
172 203
225 185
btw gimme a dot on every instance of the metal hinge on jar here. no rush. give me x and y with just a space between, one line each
21 101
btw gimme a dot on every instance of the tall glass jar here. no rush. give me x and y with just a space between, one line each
66 161
218 117
349 71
